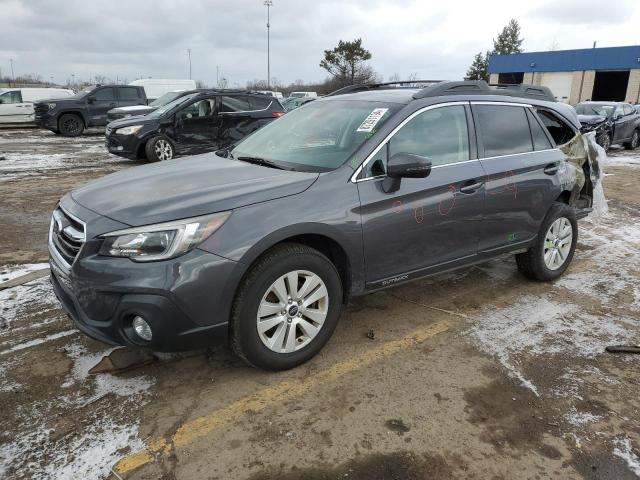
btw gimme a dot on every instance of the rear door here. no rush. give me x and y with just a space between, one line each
103 100
128 96
628 121
521 181
428 223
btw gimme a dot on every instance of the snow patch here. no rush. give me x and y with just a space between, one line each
624 450
24 301
578 419
9 272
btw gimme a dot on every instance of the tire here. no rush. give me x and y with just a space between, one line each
159 149
533 264
256 303
70 125
635 141
604 141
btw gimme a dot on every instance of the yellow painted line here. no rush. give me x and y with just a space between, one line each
198 428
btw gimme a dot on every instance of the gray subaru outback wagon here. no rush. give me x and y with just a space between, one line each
262 244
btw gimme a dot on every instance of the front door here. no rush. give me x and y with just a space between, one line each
100 102
197 125
13 109
429 223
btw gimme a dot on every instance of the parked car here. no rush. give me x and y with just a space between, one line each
154 88
615 123
273 93
291 103
88 108
198 122
262 244
303 95
16 104
135 110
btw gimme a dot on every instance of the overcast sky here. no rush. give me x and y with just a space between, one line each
437 40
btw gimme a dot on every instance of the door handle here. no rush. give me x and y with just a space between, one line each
472 188
551 169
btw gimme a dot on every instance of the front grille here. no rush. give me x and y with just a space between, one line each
66 236
40 109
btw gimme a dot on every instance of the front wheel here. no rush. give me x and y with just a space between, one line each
159 149
70 125
554 247
286 308
604 141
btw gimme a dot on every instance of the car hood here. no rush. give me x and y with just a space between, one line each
137 119
591 119
187 187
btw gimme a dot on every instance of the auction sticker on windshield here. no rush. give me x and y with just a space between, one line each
372 120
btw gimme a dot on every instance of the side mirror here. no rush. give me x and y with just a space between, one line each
405 165
91 99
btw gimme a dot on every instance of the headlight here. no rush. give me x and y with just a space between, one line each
128 130
52 106
163 240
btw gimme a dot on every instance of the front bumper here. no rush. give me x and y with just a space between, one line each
47 121
122 145
186 300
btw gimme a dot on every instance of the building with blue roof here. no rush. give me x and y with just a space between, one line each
611 73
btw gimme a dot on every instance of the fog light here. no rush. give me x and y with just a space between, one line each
142 328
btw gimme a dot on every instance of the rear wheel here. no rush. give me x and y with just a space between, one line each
70 125
159 149
286 308
634 142
555 245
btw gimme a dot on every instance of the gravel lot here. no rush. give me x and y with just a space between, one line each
475 374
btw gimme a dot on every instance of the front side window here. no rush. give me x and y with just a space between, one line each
200 109
128 93
172 106
104 95
320 137
628 110
15 96
504 130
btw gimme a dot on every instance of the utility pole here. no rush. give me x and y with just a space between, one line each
218 76
189 53
268 4
13 77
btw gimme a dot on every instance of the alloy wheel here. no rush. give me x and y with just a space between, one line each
292 311
71 125
635 140
557 243
606 143
163 150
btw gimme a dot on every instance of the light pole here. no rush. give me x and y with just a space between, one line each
268 4
189 53
13 77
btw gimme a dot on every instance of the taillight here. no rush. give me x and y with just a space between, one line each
277 114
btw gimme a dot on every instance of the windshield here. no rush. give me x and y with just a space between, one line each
319 136
595 109
296 95
85 91
164 99
171 105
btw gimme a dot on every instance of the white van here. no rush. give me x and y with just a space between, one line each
16 104
156 87
303 95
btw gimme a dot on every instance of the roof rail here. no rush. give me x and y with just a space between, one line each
480 87
384 85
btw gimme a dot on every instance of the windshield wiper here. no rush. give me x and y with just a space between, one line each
263 162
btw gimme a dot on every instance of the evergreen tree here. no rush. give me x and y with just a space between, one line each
508 40
346 62
479 69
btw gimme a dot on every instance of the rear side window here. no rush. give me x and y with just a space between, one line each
540 139
11 97
559 130
235 104
104 95
504 130
128 93
261 103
